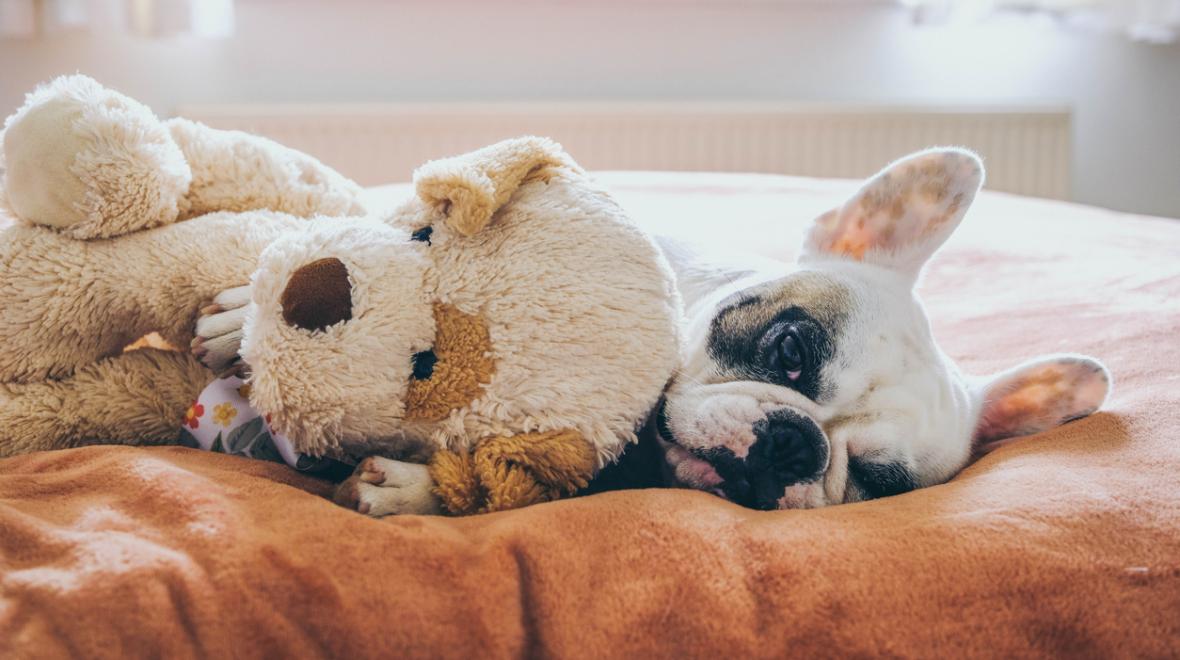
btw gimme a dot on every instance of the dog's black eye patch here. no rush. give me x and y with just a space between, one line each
881 479
423 234
748 328
423 364
750 345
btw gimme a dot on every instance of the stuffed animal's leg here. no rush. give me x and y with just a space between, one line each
505 472
67 303
139 397
94 163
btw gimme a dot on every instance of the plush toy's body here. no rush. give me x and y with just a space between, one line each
508 325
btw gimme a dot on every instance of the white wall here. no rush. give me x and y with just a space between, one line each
1126 96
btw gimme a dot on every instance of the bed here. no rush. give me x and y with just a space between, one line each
1066 543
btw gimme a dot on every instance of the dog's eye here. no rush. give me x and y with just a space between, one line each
423 365
790 354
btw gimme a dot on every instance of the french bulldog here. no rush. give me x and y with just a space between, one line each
822 384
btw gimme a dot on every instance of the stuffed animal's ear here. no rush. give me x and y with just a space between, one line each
475 185
1038 395
902 215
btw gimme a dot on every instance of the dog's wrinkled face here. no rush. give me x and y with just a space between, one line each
825 385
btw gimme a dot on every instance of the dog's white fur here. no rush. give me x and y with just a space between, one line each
890 393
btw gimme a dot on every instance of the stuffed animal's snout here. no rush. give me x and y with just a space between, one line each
317 295
339 310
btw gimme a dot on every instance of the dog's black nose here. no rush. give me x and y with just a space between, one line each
789 445
789 448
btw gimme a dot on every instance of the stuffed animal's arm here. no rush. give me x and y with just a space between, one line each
236 171
94 163
509 472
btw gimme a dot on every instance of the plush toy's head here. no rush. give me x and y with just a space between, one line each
510 296
340 309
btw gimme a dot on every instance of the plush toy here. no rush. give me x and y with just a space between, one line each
505 331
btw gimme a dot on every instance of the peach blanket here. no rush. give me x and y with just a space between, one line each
1067 543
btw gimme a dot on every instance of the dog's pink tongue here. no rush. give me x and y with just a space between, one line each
703 474
697 473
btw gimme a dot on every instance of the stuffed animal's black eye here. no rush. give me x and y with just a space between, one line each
423 234
423 364
790 354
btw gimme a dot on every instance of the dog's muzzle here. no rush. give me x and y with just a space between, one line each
789 449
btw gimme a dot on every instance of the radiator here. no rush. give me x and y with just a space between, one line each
1027 150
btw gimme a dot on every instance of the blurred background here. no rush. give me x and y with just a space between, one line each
1067 99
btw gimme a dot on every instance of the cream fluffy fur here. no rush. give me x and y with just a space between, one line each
579 305
575 298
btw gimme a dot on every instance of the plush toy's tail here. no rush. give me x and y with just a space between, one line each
509 472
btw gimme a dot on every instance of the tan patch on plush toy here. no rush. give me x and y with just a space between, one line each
513 471
464 365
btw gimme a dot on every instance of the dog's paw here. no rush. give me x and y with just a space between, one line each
219 331
383 487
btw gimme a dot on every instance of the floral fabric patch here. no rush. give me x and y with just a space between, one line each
222 420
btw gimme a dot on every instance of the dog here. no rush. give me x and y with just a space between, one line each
822 384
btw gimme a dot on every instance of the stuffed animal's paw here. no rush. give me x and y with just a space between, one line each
383 487
219 331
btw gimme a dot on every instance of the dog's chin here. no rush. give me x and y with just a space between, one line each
690 470
687 469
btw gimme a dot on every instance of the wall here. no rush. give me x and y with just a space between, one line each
1126 96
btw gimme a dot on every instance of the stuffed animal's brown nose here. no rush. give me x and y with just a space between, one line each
318 295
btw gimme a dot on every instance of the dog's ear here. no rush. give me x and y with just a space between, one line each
902 215
1038 395
473 186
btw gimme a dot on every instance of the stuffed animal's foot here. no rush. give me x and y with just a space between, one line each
6 398
24 425
219 331
383 487
94 163
138 397
91 162
508 472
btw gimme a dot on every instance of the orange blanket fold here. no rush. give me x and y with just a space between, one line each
1066 543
